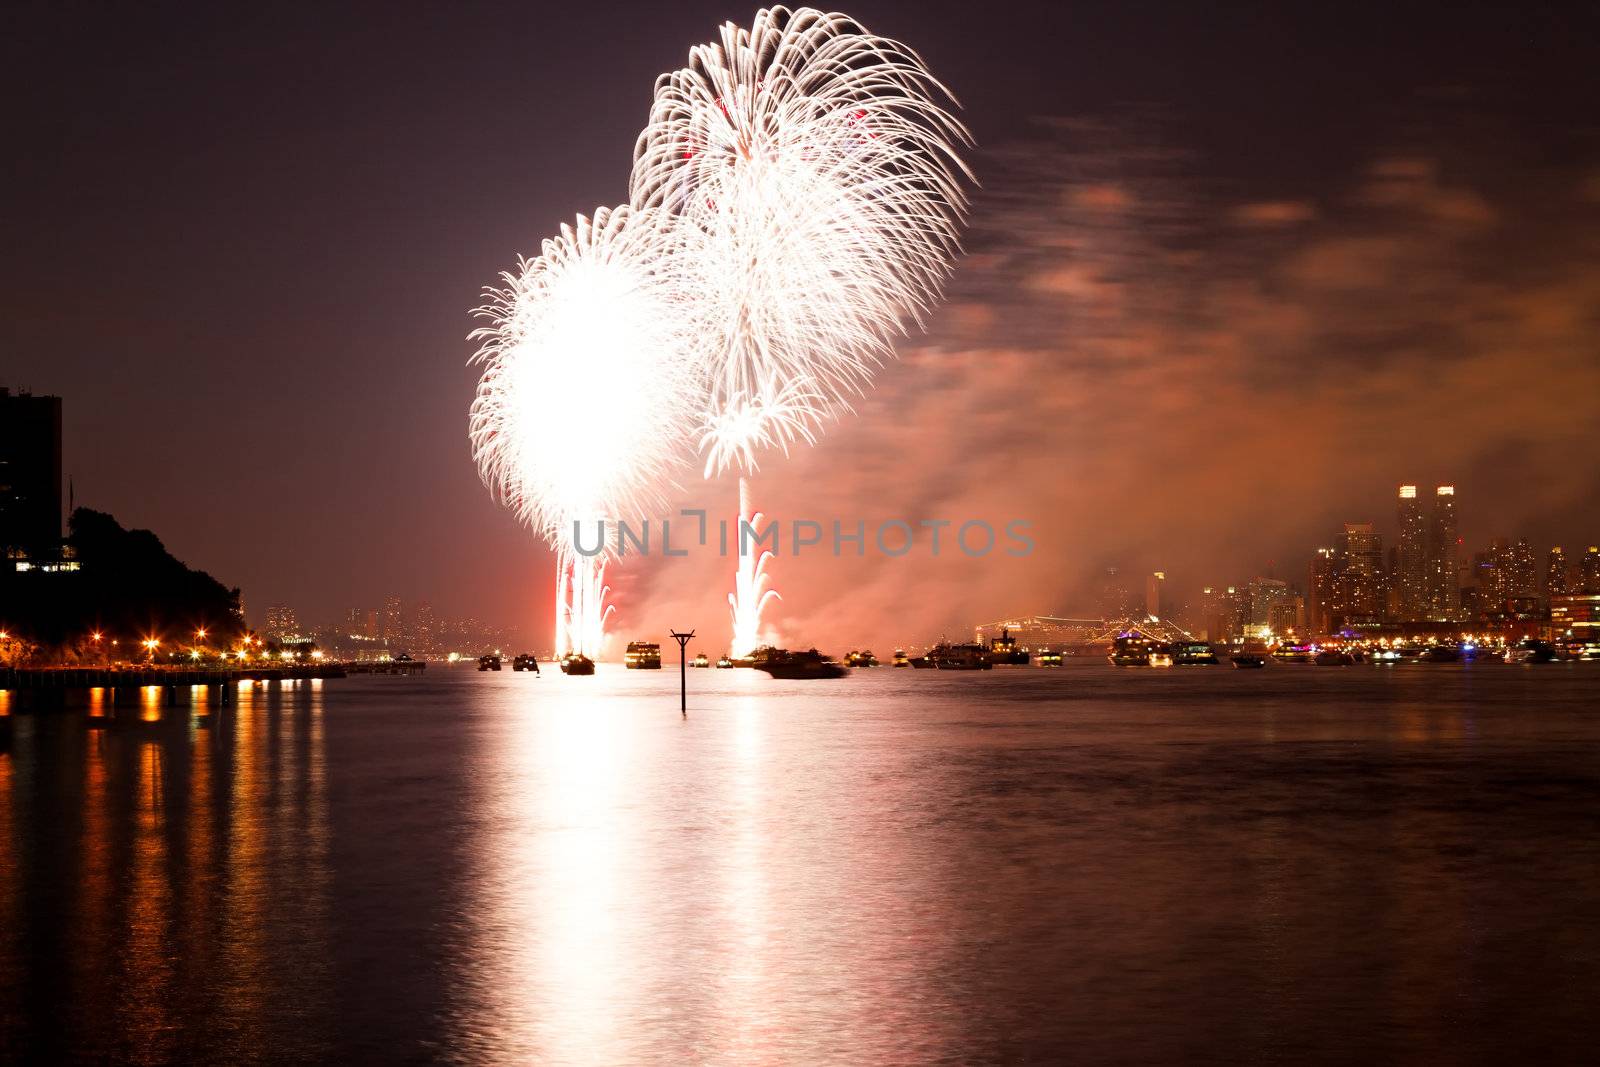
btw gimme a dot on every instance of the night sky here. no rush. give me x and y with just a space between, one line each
1232 277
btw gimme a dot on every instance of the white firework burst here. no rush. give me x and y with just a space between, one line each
588 399
814 172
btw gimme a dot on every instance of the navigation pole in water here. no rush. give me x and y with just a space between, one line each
683 671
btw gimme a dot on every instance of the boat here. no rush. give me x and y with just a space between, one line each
724 663
490 662
1333 657
1003 651
1131 650
642 656
1385 655
1248 660
900 658
1287 653
526 662
964 657
921 663
700 661
1194 654
861 659
1048 658
781 663
576 663
1161 656
1442 654
1531 651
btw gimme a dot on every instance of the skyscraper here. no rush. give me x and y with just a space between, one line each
1412 573
1555 572
1359 590
1589 571
390 624
281 624
1321 590
1443 557
1153 586
30 473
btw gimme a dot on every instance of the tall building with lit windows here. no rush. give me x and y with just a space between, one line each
1359 591
1411 573
1322 591
1443 562
391 624
1589 571
281 624
1555 572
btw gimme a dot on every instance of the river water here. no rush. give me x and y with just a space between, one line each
1083 865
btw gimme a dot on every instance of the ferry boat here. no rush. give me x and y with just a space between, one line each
1130 650
526 662
964 657
781 663
900 658
1003 651
700 661
1048 658
642 656
576 663
864 658
1194 654
921 663
490 662
1292 653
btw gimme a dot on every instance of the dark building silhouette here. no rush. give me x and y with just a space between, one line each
30 473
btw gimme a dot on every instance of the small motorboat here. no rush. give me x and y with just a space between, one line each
526 662
490 662
576 663
700 661
1248 660
1531 651
724 663
1333 657
900 658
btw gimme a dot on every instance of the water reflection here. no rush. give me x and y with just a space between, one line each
1072 866
158 905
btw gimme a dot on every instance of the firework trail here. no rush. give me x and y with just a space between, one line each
587 395
814 174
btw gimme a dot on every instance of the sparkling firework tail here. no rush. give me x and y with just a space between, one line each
750 593
581 608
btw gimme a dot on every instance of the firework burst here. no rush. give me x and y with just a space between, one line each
587 396
814 172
